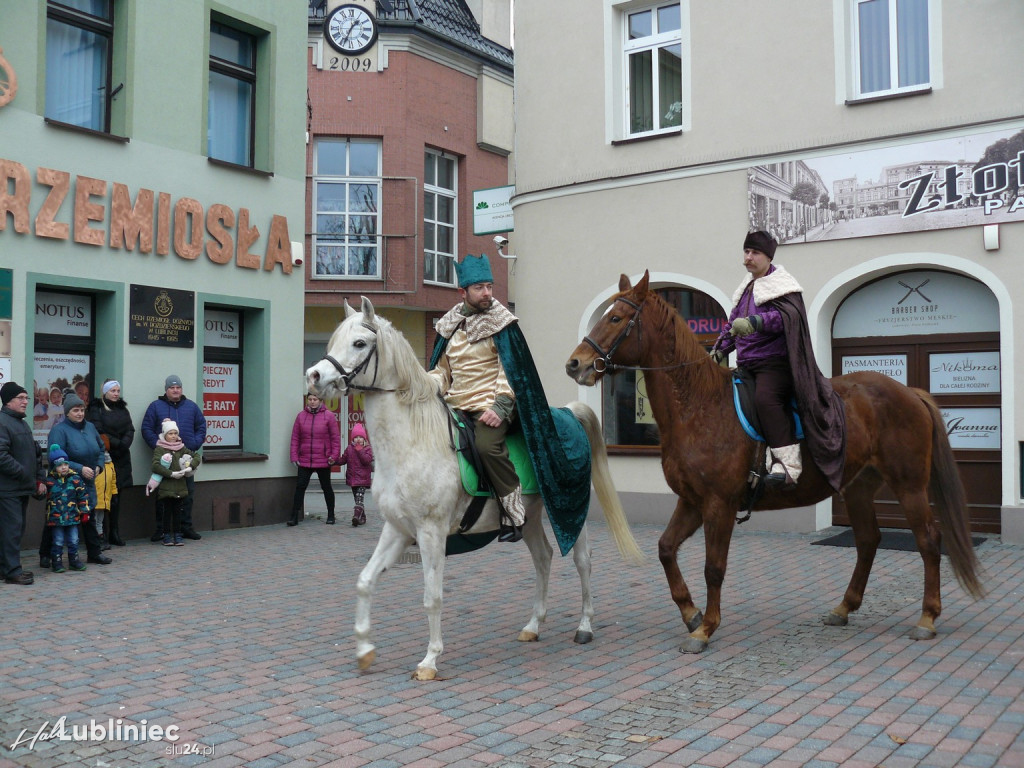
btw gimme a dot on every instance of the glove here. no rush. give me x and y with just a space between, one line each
720 358
178 474
85 517
744 326
40 493
330 461
187 471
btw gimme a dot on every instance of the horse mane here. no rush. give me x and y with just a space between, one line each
681 345
414 387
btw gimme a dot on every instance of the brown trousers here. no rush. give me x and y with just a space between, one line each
773 394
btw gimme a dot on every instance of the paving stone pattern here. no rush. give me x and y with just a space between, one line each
244 642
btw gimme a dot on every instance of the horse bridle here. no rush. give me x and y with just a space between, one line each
605 358
346 376
604 364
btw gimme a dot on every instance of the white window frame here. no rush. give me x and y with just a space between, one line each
617 50
848 52
342 240
453 195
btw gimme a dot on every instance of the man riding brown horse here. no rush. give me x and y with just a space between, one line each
769 331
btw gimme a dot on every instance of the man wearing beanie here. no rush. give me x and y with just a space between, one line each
21 475
769 331
81 441
173 405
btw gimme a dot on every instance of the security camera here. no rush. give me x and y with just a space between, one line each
500 241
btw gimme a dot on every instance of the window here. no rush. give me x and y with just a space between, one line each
653 69
79 43
439 206
223 344
892 51
346 205
629 425
230 128
64 356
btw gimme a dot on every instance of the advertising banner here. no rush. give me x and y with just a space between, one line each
221 393
56 376
958 182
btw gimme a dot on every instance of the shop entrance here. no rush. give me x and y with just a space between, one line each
940 332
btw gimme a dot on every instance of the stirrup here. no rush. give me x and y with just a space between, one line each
510 533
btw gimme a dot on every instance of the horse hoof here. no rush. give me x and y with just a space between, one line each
528 637
366 660
424 674
693 645
835 620
582 638
695 621
922 633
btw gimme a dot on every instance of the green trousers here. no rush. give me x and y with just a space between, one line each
490 444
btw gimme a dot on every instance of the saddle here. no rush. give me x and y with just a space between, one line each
475 481
743 400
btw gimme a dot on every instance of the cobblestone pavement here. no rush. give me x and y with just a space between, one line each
243 642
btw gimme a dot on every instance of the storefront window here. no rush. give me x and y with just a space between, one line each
222 377
628 421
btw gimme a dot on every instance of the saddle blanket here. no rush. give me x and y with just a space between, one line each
516 444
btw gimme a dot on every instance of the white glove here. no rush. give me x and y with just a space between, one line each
178 474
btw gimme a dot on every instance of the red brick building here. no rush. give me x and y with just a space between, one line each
409 112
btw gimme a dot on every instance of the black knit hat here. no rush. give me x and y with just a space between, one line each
10 390
761 241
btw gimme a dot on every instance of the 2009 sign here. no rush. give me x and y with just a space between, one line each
349 64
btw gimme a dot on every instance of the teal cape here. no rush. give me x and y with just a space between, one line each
563 464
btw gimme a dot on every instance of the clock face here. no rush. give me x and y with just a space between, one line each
350 29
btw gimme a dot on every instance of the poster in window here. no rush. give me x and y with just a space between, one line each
221 404
56 376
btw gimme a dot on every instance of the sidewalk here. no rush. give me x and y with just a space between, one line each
243 641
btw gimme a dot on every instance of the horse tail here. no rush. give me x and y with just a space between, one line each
951 505
601 477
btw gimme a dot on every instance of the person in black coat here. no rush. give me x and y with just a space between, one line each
109 414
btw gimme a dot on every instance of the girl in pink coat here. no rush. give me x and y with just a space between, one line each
316 444
358 458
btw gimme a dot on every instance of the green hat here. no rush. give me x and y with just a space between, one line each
473 270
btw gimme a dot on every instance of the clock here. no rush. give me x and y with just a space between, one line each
350 29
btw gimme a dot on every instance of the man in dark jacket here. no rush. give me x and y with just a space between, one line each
191 423
21 475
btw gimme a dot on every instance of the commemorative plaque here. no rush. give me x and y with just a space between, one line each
162 316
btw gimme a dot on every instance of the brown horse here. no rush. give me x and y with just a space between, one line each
895 435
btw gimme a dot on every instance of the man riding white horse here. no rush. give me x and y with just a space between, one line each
483 366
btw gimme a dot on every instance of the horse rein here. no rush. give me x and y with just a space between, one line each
346 376
604 364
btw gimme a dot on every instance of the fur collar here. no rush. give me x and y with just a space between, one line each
769 287
479 325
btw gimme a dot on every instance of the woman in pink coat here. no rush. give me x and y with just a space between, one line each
316 446
358 458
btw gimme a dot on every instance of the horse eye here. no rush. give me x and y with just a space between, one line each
359 344
615 319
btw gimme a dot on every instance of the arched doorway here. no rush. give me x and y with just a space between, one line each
938 331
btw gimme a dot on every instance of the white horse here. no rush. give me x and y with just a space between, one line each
417 484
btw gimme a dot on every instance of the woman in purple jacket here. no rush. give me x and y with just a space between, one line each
316 446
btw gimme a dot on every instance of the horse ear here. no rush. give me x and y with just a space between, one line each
367 307
624 284
640 291
348 310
